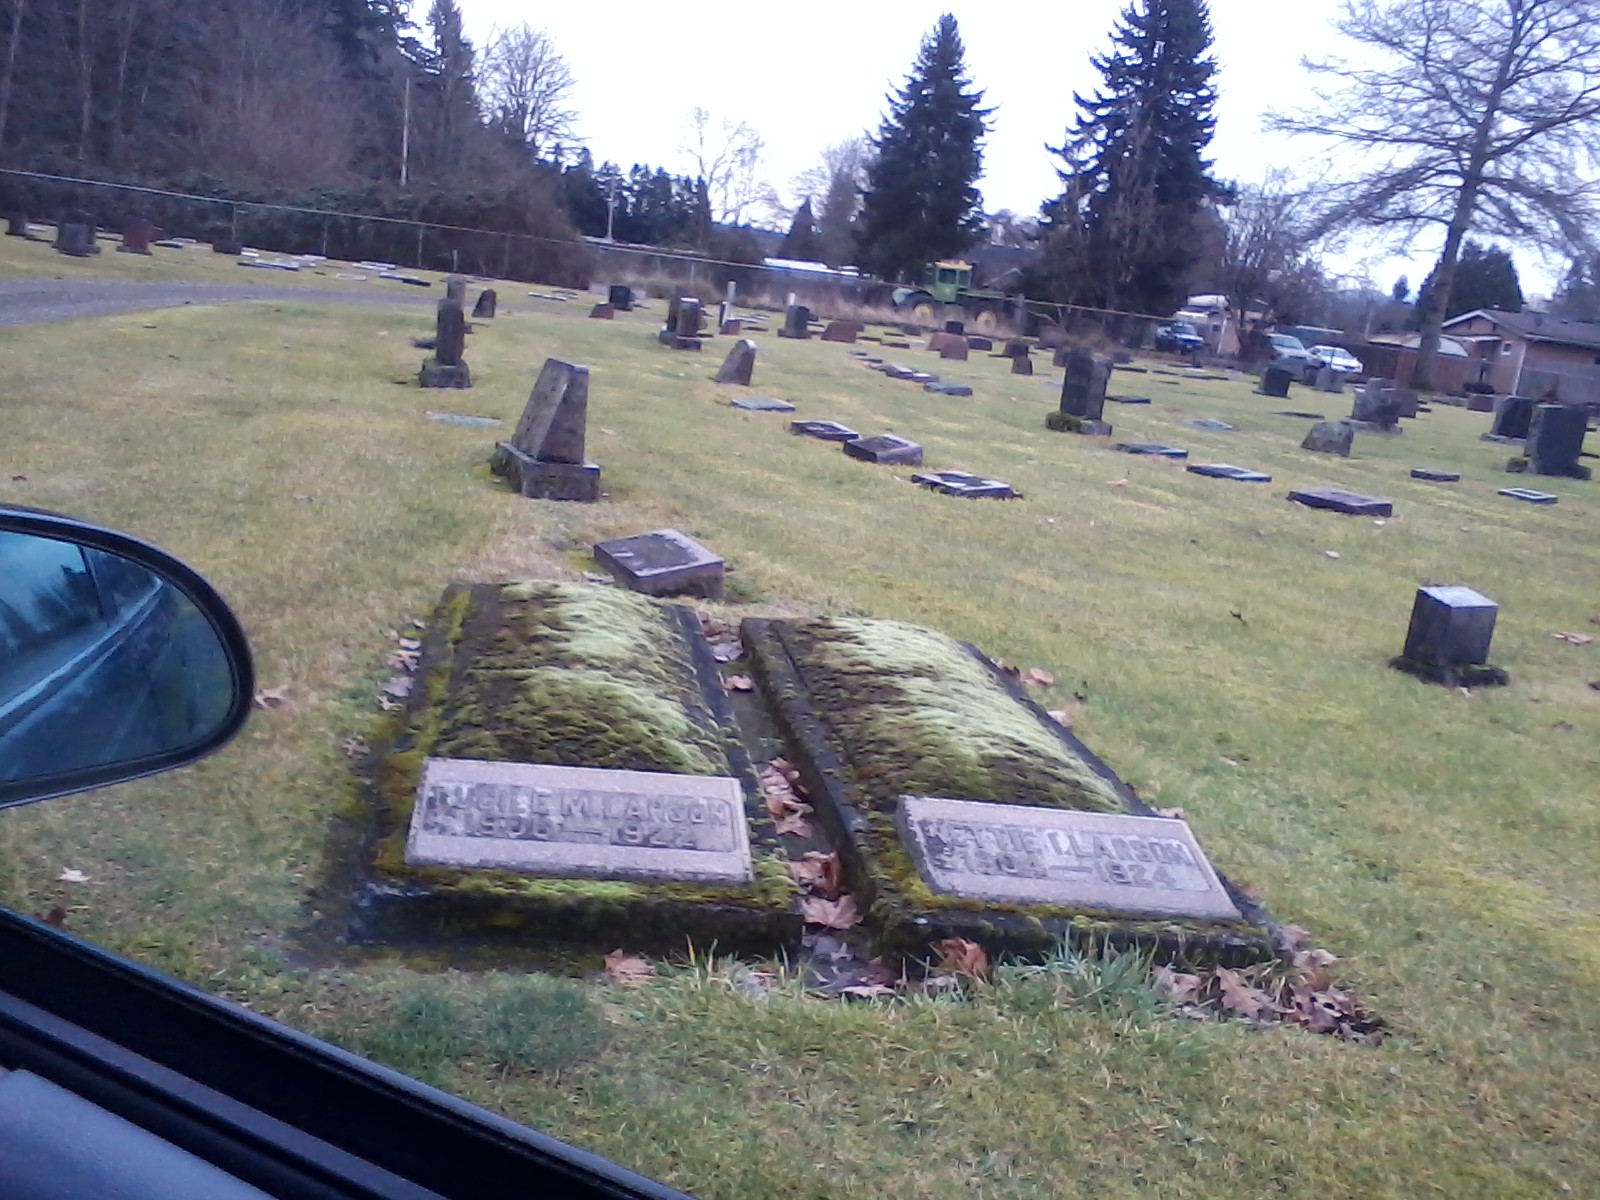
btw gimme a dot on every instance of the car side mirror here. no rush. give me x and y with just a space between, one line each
116 660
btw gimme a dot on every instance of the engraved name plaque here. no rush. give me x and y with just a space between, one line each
1138 866
579 821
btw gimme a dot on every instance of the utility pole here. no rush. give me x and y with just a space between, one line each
611 209
405 130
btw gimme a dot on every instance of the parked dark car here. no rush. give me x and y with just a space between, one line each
1178 337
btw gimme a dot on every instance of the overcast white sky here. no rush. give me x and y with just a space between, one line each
806 75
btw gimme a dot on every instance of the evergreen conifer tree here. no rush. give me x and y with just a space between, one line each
921 202
1123 233
801 243
1485 278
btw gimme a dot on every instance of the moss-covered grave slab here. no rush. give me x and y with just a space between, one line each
579 676
876 711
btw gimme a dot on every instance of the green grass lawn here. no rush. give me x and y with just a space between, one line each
1442 844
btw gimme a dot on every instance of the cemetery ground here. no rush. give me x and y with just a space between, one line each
1223 649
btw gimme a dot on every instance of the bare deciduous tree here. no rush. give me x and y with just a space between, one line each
525 85
727 156
834 188
1478 116
1267 262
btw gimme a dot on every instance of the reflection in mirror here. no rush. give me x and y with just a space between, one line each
101 661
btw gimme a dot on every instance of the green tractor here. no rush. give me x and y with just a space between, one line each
949 284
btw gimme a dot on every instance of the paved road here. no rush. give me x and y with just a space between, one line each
39 301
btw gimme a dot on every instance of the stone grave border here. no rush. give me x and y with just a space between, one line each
397 903
877 868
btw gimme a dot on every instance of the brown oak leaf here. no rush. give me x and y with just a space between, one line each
272 697
819 872
1038 677
1576 639
962 957
739 683
630 970
830 914
1239 996
1178 986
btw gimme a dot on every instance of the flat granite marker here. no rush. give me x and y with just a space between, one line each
827 431
739 365
1433 476
663 563
1338 500
1138 866
1155 449
963 483
762 404
1209 425
545 457
885 449
1530 496
579 821
1228 471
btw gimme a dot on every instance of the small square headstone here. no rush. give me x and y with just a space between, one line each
1228 471
1330 437
580 822
974 342
842 331
1555 440
1512 416
663 563
1022 365
885 449
827 431
1450 627
602 312
1106 862
1275 381
620 297
796 322
1338 500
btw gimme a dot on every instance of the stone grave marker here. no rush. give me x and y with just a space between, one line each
1022 365
73 240
1155 449
1299 416
885 449
827 431
620 297
843 331
1375 408
1110 862
545 459
763 404
584 822
451 418
1512 416
447 368
1330 437
1329 380
17 225
1275 381
602 312
1209 425
1433 476
663 563
958 328
137 235
1228 471
963 483
739 364
1338 500
731 328
953 348
940 388
455 288
1059 358
1448 639
1015 348
684 322
1529 495
1406 401
1120 399
796 322
1083 395
974 342
1480 402
1555 440
484 309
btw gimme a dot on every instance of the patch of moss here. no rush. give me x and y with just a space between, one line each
918 715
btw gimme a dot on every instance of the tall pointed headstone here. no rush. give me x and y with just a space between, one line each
544 460
448 368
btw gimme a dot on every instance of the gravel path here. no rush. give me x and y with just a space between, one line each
39 301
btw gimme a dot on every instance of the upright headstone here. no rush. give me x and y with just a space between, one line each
484 308
73 240
1329 380
1375 408
455 288
602 312
1015 348
1275 381
1448 639
447 368
842 331
544 459
959 328
17 225
137 235
1330 437
683 324
953 347
620 297
1083 395
1406 401
1059 358
796 322
739 364
1022 365
1512 416
1555 441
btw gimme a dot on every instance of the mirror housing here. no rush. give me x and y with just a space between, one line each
116 659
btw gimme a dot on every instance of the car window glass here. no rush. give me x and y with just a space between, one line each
49 610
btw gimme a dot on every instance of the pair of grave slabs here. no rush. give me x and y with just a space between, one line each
555 850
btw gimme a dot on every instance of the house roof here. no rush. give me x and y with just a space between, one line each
1538 327
1449 347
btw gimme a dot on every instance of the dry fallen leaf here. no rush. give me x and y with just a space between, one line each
1175 814
410 643
726 652
819 872
353 747
1577 639
1116 483
1239 996
400 685
1330 554
272 697
1295 937
389 705
867 991
72 875
1061 717
962 957
403 660
830 914
792 823
1038 677
1178 986
739 683
630 970
56 918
